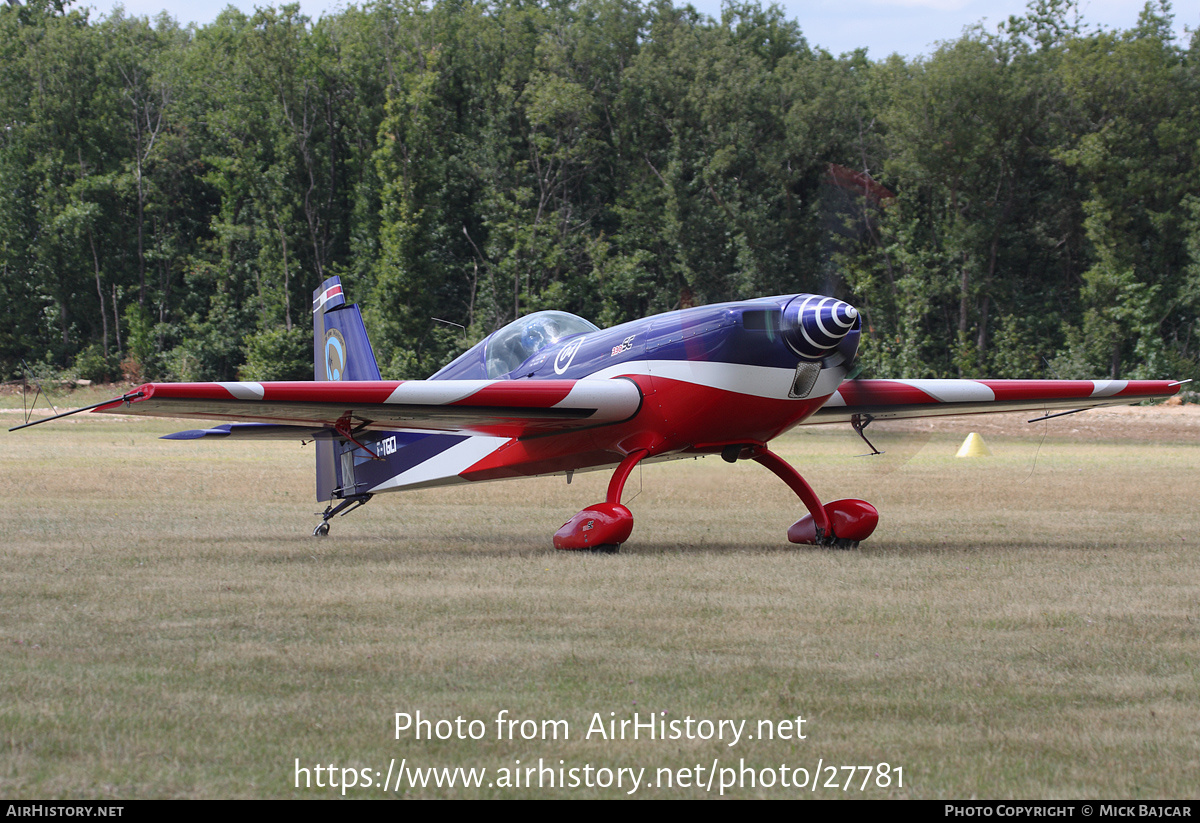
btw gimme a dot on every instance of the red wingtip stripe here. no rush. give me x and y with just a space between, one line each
861 392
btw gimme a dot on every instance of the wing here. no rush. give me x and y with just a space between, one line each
316 410
895 399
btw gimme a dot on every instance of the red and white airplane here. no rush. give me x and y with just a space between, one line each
551 393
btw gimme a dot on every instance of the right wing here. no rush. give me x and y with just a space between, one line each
896 399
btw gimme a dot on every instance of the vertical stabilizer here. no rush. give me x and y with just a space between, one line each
341 351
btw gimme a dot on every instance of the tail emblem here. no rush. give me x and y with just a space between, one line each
335 355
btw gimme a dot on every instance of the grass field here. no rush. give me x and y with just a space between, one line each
1021 626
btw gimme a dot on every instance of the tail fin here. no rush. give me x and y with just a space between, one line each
341 351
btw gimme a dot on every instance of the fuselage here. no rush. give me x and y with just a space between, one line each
710 377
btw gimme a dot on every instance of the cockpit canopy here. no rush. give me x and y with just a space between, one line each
522 339
506 349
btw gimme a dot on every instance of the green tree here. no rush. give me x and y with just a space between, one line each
1135 152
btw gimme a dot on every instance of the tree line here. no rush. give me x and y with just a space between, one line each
1022 202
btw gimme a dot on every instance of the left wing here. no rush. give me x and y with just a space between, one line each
895 399
505 408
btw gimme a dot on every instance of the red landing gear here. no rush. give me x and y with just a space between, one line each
840 524
604 526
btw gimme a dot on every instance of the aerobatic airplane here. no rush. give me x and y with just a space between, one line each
551 393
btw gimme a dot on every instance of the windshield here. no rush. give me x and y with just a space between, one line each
522 339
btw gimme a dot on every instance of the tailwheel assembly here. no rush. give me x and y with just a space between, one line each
343 508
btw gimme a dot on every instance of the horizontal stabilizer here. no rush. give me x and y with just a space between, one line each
254 431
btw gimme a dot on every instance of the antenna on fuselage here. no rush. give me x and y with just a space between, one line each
452 323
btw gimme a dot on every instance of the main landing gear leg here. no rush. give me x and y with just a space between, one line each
347 505
604 526
840 524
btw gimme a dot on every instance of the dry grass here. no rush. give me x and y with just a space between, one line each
1021 626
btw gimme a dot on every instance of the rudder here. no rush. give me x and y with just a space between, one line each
341 351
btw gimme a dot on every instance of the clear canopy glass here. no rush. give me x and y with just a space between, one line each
522 339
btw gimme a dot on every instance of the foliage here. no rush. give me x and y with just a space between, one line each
170 197
92 364
278 354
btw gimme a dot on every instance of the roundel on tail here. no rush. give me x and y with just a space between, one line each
335 355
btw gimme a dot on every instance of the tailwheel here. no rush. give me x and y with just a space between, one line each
343 508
